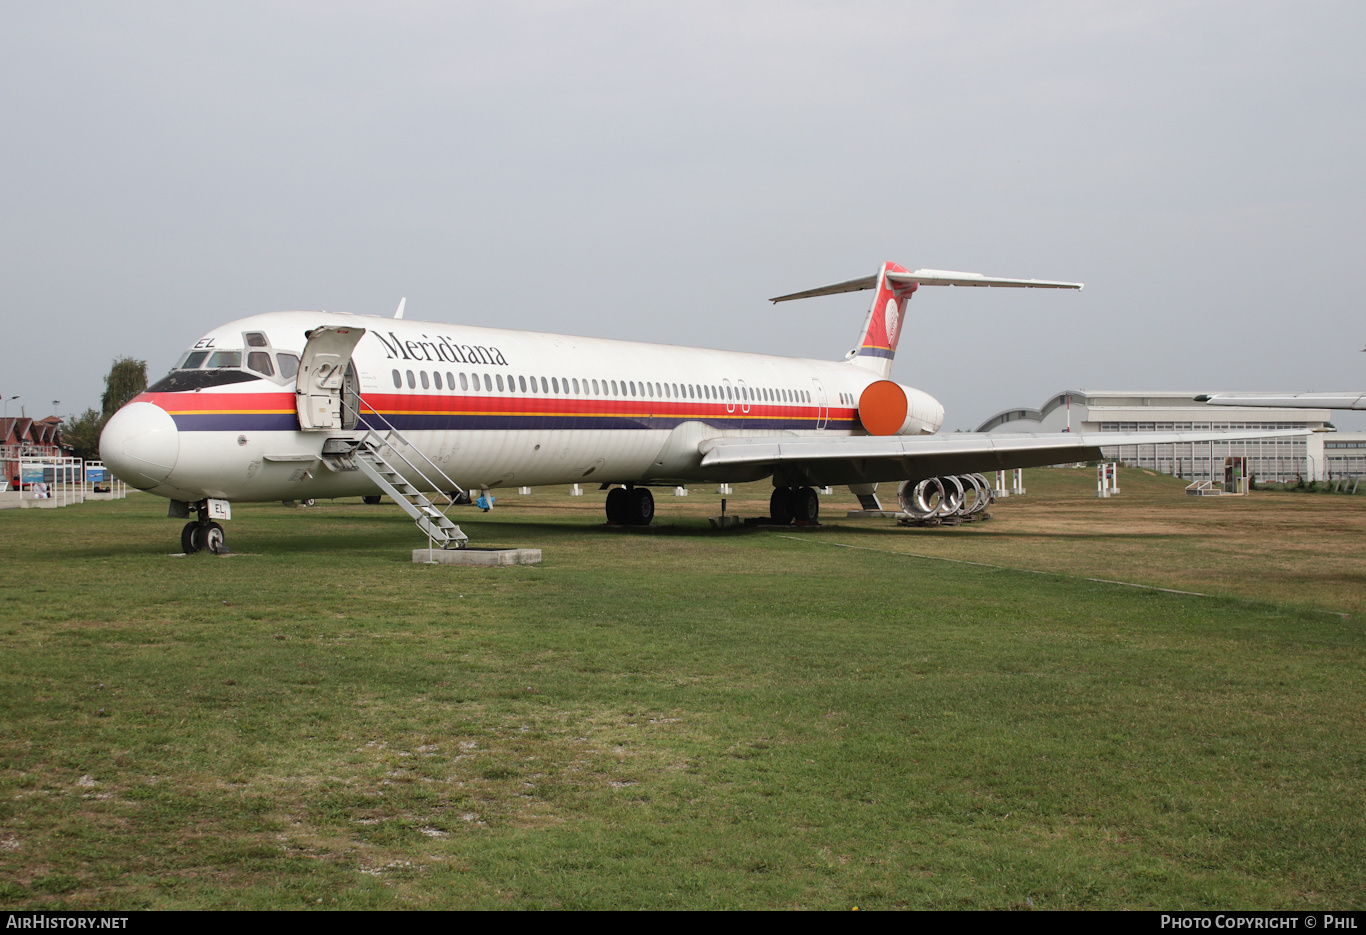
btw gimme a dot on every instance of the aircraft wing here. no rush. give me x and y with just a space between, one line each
845 459
1288 400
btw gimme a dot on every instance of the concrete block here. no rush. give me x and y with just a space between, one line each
480 557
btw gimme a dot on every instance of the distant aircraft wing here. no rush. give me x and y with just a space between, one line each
843 459
929 277
1288 400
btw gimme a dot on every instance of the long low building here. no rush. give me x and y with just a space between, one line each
1271 460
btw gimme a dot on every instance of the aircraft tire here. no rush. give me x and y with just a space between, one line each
210 536
805 505
188 545
617 499
780 506
641 506
371 500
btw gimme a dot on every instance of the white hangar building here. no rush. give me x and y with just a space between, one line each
1272 460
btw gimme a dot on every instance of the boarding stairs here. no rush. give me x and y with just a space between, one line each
380 457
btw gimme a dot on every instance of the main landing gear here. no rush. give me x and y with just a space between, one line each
630 506
794 504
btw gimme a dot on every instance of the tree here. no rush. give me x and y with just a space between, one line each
82 433
127 378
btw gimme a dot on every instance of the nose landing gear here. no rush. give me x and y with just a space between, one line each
202 534
197 537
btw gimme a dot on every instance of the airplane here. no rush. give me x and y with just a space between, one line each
300 405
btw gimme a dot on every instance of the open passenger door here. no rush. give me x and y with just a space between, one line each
322 378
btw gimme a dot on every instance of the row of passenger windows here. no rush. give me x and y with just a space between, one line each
571 386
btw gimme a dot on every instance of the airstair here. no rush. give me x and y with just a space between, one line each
381 458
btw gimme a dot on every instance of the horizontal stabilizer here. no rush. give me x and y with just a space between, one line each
1288 400
929 277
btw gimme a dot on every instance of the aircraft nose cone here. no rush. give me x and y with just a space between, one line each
140 444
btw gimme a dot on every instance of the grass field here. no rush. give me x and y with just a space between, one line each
688 718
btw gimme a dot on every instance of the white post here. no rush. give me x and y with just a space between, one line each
524 490
680 491
724 490
1114 477
1000 482
576 491
1019 488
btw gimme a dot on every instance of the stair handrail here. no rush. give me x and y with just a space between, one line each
369 430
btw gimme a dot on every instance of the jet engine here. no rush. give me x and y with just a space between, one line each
937 498
887 408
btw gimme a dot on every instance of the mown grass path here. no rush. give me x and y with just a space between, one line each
686 718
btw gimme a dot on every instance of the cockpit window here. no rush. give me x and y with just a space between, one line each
193 361
225 359
255 339
179 381
260 362
289 365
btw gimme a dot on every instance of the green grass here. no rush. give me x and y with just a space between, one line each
678 718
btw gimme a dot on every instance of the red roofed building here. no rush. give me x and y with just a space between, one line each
28 438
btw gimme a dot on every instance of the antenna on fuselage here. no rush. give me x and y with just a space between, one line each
401 302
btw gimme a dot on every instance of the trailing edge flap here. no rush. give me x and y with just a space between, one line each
989 448
929 277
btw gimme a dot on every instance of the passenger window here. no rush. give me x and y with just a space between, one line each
533 384
633 387
289 365
412 383
500 383
426 384
225 359
464 382
255 339
614 387
595 387
545 387
194 360
512 383
576 386
555 384
260 362
450 380
398 380
436 379
488 383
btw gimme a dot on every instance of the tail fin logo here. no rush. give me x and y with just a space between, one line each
892 318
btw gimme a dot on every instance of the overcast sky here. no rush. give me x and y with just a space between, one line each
656 171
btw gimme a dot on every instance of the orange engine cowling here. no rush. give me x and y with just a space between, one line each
887 408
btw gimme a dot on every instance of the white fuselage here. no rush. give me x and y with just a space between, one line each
602 411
